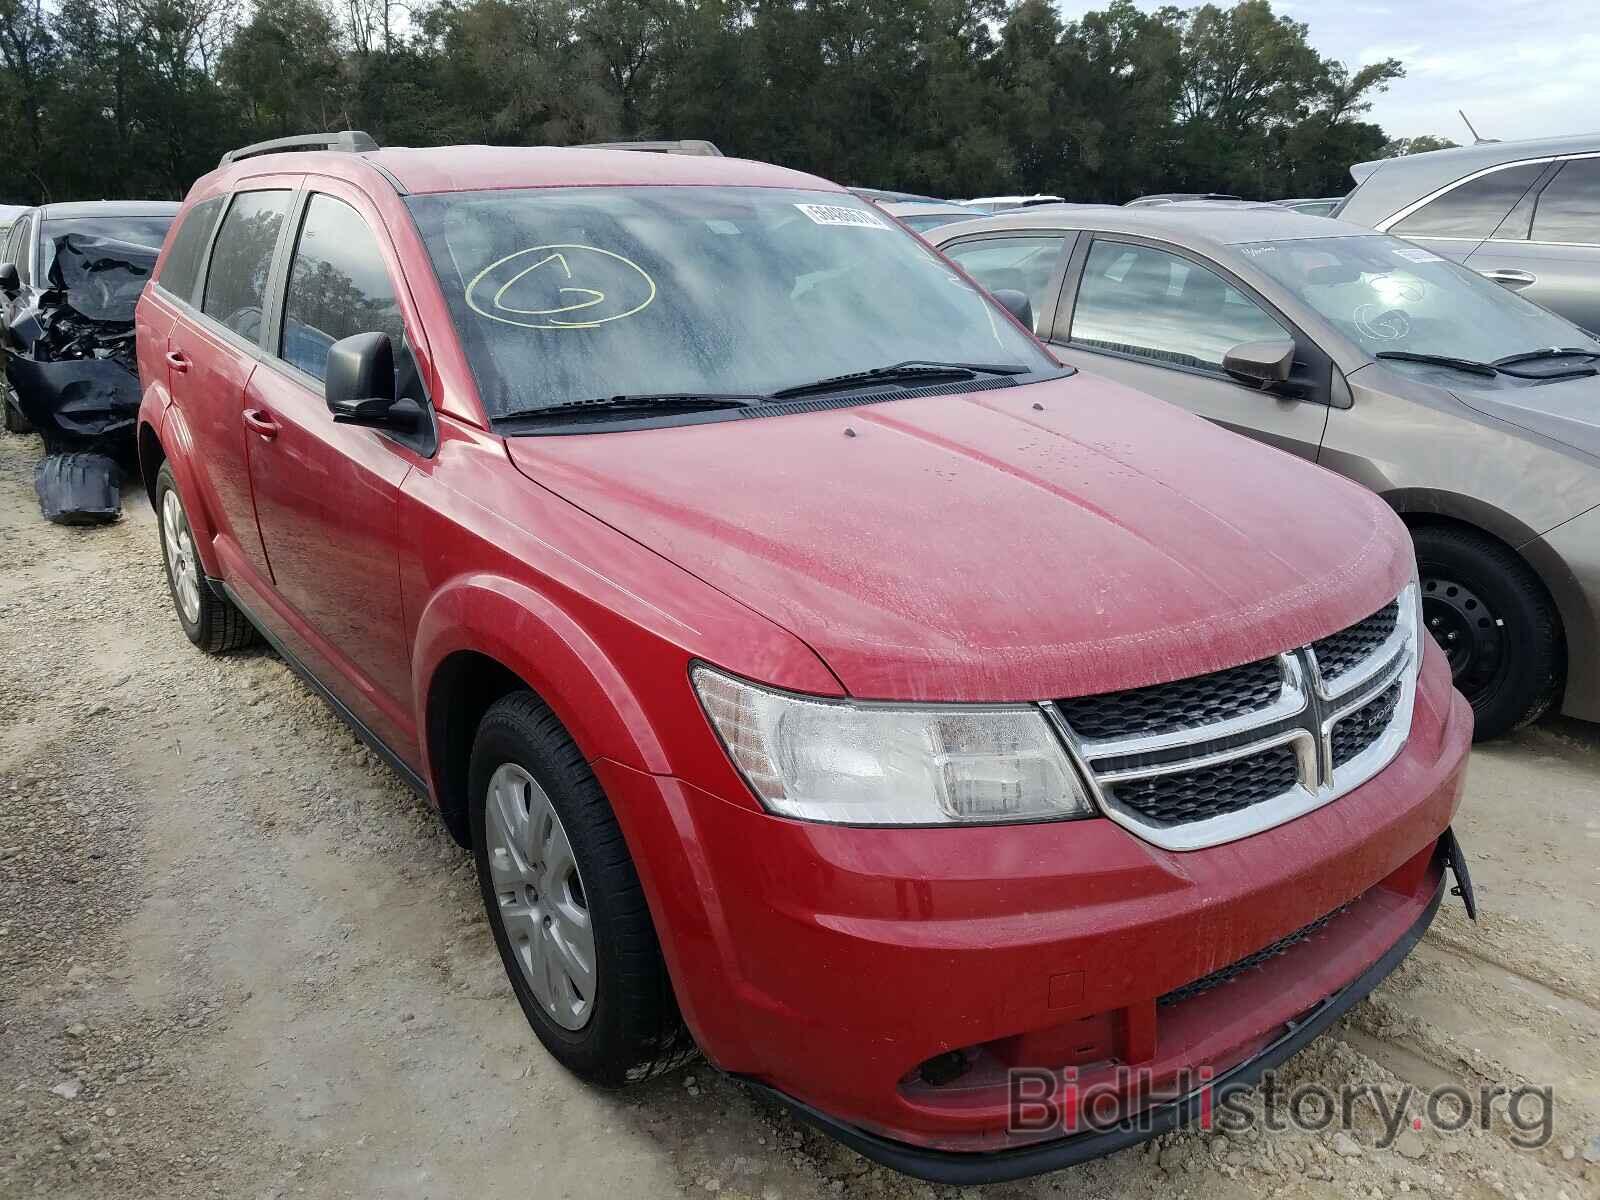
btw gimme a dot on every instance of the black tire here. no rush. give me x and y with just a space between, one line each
633 1030
217 625
1495 622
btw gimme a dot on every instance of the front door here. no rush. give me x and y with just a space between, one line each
326 495
1161 322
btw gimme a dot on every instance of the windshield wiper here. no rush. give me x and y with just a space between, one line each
1576 370
1440 360
662 402
897 373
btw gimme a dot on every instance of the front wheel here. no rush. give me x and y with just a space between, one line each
565 904
1495 623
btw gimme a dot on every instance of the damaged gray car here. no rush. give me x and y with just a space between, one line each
70 278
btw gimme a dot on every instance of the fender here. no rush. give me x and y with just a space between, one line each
1467 509
178 445
544 645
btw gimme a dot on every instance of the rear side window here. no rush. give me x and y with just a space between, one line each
236 283
22 247
338 285
1569 206
1475 208
1021 264
1145 302
181 271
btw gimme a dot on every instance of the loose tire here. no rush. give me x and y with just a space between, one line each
565 904
210 621
1495 623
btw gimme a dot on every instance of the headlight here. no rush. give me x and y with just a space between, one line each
887 764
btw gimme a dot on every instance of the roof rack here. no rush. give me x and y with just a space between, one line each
688 146
353 141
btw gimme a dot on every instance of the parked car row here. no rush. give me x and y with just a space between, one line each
824 675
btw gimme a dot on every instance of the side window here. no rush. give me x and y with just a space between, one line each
338 285
1475 208
1569 206
14 242
22 248
1142 301
236 281
181 271
1023 264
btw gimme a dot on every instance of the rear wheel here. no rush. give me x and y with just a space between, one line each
210 621
565 904
1495 623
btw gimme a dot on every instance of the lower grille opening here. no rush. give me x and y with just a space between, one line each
1186 796
1250 962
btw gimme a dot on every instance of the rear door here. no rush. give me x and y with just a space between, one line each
326 494
1159 318
212 350
1549 249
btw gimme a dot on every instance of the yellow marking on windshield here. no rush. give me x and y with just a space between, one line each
556 253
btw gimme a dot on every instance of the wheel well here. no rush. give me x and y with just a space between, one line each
1418 520
151 455
464 686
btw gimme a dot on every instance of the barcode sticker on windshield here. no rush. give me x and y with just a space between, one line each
1417 254
838 214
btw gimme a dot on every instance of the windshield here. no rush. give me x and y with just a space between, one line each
101 263
1387 295
569 294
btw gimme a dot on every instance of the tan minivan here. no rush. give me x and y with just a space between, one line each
1473 412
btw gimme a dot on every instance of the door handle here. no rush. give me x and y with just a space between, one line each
259 422
178 361
1509 278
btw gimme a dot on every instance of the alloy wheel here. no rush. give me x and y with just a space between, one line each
182 566
540 894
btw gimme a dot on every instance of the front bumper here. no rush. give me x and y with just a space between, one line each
829 963
965 1170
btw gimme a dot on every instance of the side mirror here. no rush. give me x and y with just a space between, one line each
10 283
360 383
1016 303
1260 363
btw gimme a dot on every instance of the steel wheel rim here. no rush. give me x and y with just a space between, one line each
182 570
1469 632
540 896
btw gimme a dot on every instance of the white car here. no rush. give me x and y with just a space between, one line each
996 204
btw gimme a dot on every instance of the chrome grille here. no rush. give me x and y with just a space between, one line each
1186 704
1221 756
1339 652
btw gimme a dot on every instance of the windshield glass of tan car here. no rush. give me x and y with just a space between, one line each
570 294
101 263
1386 294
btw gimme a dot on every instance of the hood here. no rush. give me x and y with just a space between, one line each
1050 540
101 277
1564 410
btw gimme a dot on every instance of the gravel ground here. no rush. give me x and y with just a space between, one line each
239 959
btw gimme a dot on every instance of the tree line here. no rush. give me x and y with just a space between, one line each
136 98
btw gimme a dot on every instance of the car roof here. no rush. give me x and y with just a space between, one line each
109 208
1434 168
914 208
1193 224
482 168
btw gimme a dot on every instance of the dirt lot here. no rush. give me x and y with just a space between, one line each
239 959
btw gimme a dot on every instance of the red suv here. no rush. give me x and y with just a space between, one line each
821 674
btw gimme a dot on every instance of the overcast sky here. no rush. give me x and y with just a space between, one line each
1520 68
